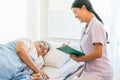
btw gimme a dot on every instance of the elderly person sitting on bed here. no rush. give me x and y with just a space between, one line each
22 59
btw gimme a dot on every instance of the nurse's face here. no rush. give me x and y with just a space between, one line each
79 14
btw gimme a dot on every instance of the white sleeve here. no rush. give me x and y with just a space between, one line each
98 34
28 44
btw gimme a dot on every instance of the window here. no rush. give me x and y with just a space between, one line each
12 19
61 21
61 18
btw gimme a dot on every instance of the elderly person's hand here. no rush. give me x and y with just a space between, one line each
39 76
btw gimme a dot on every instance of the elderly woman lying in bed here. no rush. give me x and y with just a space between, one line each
22 59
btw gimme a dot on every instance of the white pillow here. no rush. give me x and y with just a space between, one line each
55 58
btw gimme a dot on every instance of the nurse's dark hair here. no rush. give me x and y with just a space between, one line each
88 5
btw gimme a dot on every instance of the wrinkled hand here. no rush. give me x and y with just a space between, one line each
36 76
39 76
44 75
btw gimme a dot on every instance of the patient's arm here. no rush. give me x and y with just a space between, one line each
22 53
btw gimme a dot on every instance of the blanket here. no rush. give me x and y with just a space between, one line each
11 66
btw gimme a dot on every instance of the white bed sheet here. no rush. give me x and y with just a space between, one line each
61 73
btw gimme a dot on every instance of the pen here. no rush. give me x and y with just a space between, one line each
68 42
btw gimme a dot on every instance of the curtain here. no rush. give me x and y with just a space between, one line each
12 20
114 46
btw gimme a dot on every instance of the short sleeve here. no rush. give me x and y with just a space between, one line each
28 44
98 34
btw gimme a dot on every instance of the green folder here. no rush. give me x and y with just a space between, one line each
70 50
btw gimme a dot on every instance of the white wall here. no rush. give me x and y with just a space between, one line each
62 19
37 23
12 20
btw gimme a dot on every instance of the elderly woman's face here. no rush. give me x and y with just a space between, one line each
42 48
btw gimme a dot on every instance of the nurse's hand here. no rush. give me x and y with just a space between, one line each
66 44
74 57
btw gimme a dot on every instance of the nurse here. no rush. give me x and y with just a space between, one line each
93 43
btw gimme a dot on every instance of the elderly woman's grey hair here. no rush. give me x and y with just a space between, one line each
44 42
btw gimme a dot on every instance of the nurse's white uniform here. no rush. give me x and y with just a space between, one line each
100 68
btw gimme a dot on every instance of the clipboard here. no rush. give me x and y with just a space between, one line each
70 50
